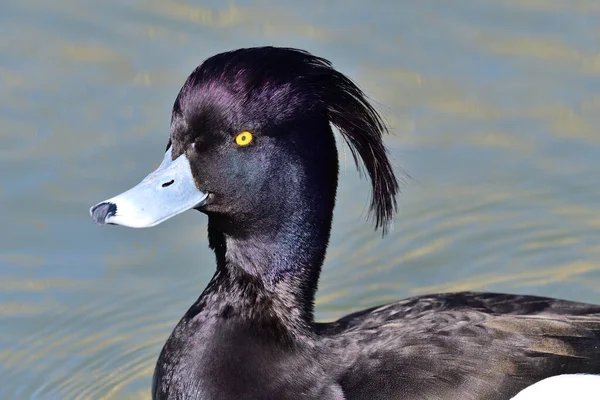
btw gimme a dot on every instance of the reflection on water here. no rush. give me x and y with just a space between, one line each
495 112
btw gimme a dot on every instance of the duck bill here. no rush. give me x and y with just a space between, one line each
166 192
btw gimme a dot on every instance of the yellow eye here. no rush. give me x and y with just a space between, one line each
243 139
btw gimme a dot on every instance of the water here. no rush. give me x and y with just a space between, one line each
495 112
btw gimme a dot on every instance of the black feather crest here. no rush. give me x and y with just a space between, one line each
362 129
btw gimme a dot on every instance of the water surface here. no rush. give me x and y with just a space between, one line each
494 107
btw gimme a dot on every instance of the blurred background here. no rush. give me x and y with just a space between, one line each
495 114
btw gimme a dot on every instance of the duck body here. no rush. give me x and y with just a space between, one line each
447 346
251 146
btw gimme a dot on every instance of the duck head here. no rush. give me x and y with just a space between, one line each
251 146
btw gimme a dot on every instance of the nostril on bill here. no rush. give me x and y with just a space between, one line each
167 184
102 211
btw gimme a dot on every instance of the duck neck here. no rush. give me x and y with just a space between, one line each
272 277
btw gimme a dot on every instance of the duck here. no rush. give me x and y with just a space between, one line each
252 147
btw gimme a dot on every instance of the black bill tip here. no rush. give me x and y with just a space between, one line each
102 211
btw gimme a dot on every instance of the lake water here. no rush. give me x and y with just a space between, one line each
495 110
